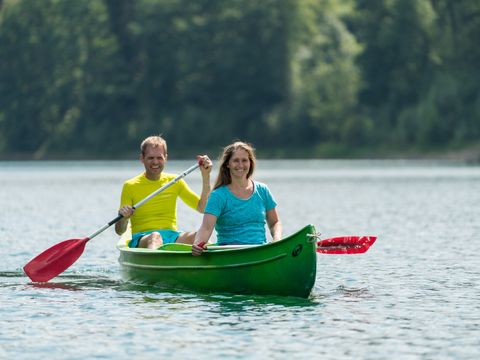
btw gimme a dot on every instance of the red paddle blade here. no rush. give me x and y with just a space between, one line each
54 260
345 245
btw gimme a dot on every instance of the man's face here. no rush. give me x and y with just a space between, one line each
154 161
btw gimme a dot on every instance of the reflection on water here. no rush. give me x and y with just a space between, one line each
414 294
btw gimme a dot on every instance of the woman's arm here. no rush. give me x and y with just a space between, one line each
203 234
274 224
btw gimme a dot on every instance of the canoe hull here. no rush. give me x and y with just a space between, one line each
286 267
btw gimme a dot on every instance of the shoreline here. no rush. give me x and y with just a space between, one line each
469 155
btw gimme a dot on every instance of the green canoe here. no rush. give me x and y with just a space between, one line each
286 267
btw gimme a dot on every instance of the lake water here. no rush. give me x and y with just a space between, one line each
414 295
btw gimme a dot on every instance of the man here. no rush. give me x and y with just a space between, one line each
155 223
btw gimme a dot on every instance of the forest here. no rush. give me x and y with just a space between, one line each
89 79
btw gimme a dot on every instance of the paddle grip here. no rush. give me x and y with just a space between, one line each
117 219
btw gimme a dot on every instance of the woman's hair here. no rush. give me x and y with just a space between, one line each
154 141
224 177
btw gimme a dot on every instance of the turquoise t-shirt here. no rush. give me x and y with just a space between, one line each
240 221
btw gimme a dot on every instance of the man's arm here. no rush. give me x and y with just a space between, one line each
121 225
205 168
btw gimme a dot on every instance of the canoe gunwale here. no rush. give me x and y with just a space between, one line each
210 249
203 267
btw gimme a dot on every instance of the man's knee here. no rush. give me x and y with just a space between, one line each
153 240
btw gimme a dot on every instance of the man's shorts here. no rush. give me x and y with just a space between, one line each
168 236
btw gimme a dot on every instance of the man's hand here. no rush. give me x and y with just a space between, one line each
205 164
126 211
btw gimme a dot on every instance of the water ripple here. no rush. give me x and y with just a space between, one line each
414 295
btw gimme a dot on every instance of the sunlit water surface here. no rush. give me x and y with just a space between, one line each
414 295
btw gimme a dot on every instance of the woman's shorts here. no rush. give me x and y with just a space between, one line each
168 236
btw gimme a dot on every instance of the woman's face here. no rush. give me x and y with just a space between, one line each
239 163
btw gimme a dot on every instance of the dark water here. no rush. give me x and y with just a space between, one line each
414 295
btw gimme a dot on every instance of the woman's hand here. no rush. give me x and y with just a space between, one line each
203 234
197 249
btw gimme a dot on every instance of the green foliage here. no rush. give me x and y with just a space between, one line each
58 56
91 78
420 67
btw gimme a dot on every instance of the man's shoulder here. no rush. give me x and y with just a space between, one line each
135 180
168 176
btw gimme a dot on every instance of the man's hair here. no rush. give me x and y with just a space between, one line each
153 141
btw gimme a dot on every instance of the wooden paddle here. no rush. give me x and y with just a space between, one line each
345 244
59 257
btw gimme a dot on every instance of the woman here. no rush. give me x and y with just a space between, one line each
238 207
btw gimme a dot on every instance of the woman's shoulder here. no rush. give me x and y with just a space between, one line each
263 191
260 186
221 190
218 197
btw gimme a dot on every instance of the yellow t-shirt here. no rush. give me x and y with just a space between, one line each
160 212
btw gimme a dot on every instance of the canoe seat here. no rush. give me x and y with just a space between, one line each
176 247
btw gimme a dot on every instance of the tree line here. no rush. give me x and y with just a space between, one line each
297 78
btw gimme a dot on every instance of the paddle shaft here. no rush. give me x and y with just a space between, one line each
141 202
